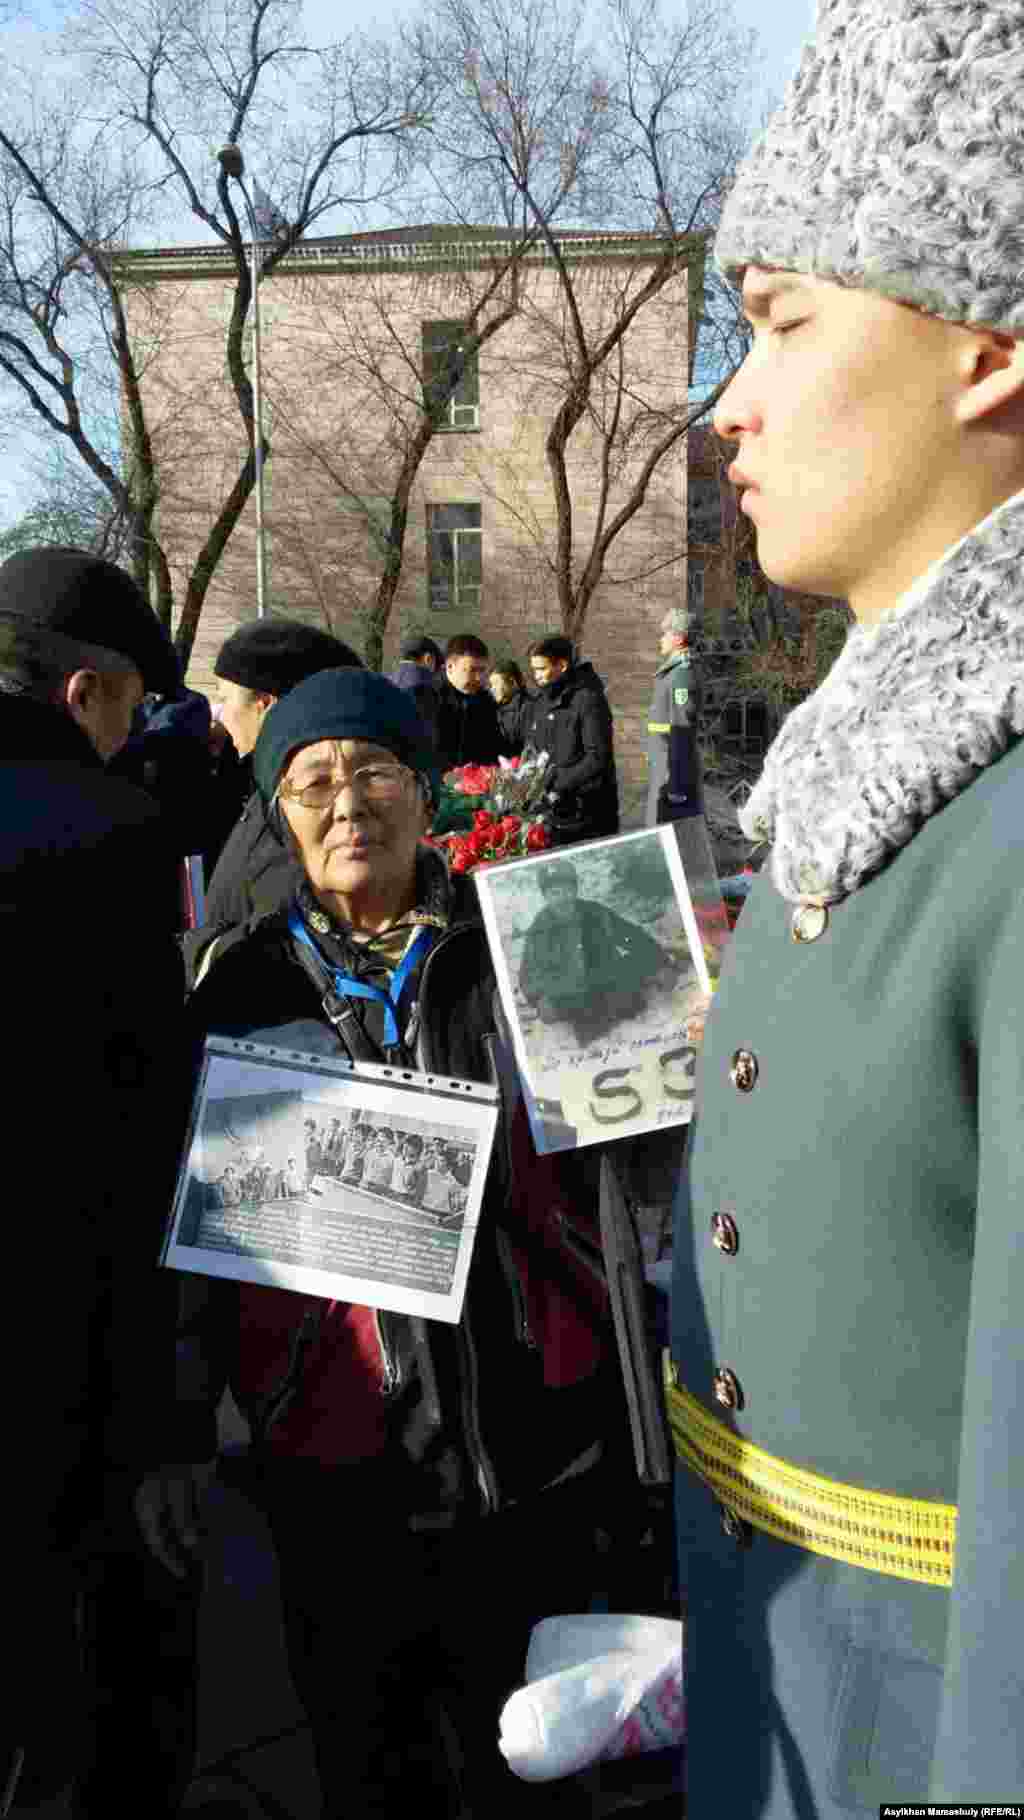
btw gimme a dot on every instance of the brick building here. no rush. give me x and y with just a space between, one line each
353 330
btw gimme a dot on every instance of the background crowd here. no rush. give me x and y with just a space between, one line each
432 1491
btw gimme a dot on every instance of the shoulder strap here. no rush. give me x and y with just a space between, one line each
339 1013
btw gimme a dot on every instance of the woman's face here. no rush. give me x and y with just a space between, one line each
858 424
362 849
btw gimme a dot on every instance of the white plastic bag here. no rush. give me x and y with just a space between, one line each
599 1686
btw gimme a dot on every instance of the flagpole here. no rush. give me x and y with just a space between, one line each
232 163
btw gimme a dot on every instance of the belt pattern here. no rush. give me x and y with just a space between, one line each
913 1538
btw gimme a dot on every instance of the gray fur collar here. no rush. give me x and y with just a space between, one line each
912 710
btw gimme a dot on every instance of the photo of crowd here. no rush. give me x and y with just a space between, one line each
386 1160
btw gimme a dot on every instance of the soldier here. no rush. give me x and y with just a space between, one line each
674 784
847 1344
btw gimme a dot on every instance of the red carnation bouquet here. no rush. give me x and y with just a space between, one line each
489 813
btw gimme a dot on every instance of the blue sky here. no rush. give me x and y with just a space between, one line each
782 32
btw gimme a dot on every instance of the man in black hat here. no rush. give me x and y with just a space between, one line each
256 666
93 994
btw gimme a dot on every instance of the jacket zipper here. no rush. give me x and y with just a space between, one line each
589 1257
486 1476
524 1332
392 1371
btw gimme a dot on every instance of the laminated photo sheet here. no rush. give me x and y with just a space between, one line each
355 1183
600 961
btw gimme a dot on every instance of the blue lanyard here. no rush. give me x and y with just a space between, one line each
345 984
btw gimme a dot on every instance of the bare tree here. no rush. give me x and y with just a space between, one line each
370 353
160 85
394 397
642 136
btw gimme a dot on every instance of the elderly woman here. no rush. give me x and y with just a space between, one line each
383 1442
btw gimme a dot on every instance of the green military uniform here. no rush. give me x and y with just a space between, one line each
849 1272
674 785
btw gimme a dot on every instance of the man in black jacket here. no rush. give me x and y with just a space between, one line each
256 666
467 717
92 1007
571 721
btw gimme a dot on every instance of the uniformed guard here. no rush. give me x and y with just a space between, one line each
674 785
846 1381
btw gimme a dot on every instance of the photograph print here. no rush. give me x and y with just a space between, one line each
599 964
339 1182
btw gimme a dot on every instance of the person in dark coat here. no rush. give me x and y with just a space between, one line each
508 689
847 1387
467 727
92 1027
571 721
170 754
460 1464
421 661
257 665
584 963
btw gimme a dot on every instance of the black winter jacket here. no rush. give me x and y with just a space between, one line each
522 1382
92 1080
514 721
467 727
254 875
418 682
571 721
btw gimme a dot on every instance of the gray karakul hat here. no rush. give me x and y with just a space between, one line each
895 163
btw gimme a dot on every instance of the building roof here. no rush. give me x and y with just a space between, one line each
427 243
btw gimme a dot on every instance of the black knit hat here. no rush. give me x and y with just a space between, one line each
342 704
271 656
60 593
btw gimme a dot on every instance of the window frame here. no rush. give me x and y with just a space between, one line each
462 595
458 413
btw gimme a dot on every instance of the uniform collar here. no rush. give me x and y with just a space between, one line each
670 663
912 710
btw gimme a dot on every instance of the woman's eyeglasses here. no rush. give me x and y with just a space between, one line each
378 784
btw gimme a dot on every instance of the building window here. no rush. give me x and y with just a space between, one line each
703 510
454 557
451 378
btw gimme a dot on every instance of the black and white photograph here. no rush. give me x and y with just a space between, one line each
342 1182
599 962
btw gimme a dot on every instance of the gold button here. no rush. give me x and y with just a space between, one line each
725 1234
735 1528
725 1388
744 1070
809 922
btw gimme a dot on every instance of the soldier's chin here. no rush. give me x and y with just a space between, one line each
791 569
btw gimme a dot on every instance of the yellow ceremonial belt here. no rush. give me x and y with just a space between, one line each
913 1538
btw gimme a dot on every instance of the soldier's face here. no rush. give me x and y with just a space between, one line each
874 435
